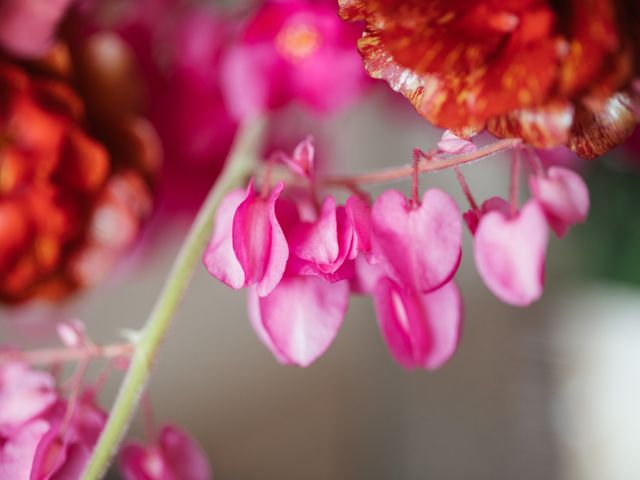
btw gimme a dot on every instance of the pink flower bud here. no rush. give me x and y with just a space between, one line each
453 144
418 246
421 330
563 196
510 253
174 456
300 318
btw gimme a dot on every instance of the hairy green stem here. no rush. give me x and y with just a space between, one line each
240 164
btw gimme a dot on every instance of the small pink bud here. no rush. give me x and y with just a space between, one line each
71 333
563 196
258 240
421 330
451 143
418 246
302 161
300 318
510 253
174 456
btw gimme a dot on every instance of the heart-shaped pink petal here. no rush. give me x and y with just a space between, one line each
510 253
300 318
418 246
564 197
421 329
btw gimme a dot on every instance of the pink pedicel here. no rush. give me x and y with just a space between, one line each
418 246
563 196
510 252
421 330
172 456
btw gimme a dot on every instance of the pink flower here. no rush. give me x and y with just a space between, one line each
322 247
359 213
300 319
248 246
421 330
563 196
302 160
175 456
293 50
27 27
40 438
419 247
510 252
24 394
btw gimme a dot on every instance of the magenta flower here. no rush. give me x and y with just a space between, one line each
563 196
258 240
421 330
43 436
27 27
175 456
300 319
248 246
322 247
293 50
359 212
510 252
418 246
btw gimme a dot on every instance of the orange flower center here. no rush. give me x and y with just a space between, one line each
298 41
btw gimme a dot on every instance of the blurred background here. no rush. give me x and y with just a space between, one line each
551 391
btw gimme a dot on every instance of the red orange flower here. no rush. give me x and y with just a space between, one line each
546 71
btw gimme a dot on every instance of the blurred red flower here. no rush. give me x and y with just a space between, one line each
549 72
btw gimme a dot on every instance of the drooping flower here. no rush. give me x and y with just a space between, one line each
27 28
453 144
300 318
509 252
42 435
324 246
552 73
422 330
418 246
292 50
173 456
563 196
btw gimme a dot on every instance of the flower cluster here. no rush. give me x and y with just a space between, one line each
48 432
300 257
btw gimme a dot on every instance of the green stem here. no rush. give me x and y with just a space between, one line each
240 164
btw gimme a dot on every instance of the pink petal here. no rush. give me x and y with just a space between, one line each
27 27
472 217
24 394
451 143
322 247
366 276
17 452
419 247
421 330
510 254
360 215
219 257
300 318
564 197
258 240
183 455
